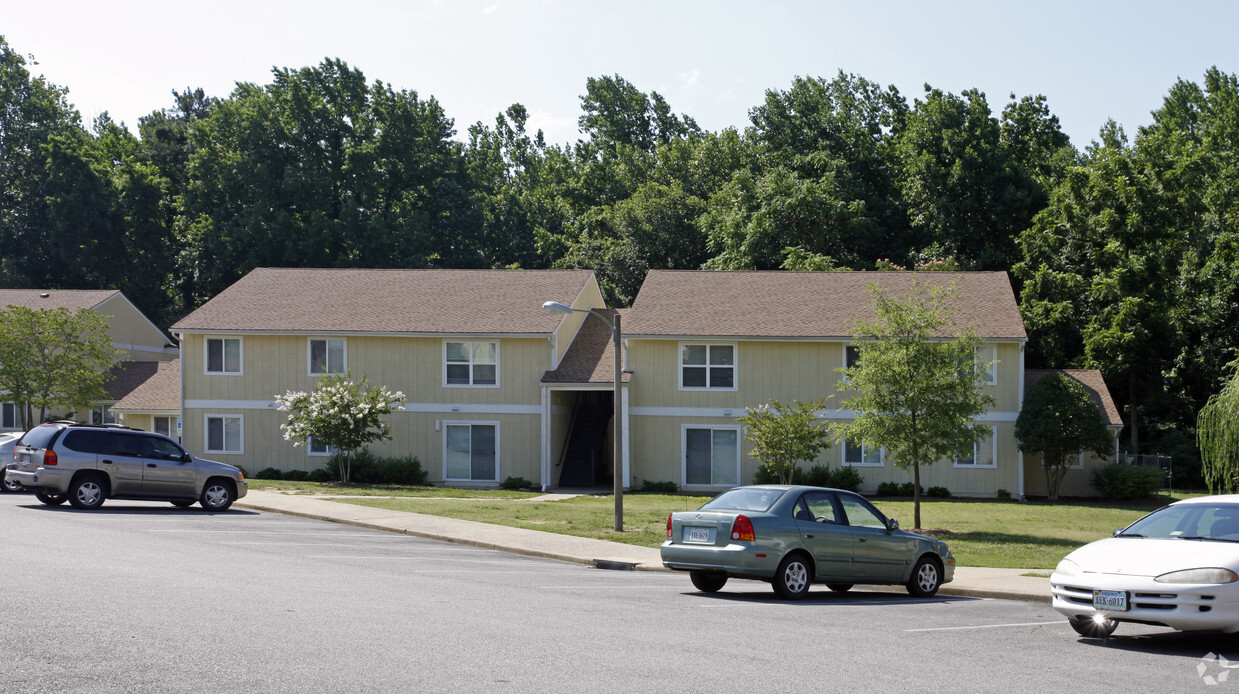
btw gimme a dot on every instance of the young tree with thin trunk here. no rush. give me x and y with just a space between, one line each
1059 420
785 434
917 382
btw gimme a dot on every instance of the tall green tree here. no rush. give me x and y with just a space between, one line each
916 388
1217 430
54 359
1060 420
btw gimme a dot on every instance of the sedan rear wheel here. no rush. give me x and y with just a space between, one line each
792 579
707 582
217 496
51 498
1090 627
926 578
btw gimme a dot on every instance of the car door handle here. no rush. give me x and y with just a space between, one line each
107 462
809 537
151 465
860 539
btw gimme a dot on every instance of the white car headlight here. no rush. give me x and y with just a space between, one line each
1067 567
1212 575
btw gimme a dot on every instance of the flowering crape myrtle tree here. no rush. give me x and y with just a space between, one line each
341 414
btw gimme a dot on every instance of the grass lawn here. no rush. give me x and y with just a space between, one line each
1030 535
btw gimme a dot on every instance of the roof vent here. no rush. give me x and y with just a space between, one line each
44 295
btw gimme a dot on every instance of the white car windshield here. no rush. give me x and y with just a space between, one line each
1189 522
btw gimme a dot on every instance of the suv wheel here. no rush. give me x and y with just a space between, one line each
9 485
217 495
51 498
87 493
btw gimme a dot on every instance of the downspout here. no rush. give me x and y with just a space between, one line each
1019 452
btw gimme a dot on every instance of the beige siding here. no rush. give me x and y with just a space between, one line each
128 328
1077 482
590 297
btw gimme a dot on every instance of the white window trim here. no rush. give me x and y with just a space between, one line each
206 356
735 367
309 447
684 453
976 452
1079 463
206 433
471 423
471 363
864 450
309 355
991 359
171 423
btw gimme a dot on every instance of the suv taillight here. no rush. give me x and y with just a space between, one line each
49 457
742 529
668 526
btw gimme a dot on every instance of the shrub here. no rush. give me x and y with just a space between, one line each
269 473
297 475
1004 495
845 478
516 483
817 476
406 470
321 475
659 487
1120 481
939 493
896 489
766 474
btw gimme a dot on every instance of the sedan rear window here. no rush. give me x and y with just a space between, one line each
744 500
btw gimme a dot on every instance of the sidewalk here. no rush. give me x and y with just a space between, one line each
975 582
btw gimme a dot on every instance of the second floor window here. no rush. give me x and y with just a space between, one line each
708 366
471 363
327 357
223 355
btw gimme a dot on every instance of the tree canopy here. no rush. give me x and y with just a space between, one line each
1060 421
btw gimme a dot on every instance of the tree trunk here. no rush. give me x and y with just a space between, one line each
916 496
1132 411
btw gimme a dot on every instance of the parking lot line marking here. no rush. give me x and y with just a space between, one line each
989 626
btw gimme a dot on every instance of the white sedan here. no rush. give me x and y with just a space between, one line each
1176 567
7 440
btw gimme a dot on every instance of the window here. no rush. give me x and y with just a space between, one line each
471 363
10 416
860 513
224 433
327 357
817 507
851 359
223 355
987 365
855 454
317 448
102 414
469 452
983 453
708 366
162 425
712 456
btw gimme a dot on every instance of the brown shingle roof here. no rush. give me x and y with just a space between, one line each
56 298
781 304
389 301
156 386
1091 380
591 356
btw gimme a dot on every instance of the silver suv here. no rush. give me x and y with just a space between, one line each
85 464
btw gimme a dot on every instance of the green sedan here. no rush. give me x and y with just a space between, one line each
795 536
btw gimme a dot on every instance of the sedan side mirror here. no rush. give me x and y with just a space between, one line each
892 524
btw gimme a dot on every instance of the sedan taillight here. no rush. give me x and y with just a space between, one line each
742 529
668 526
49 457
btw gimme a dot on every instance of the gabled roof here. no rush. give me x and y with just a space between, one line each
789 305
483 302
147 386
591 356
1091 380
55 298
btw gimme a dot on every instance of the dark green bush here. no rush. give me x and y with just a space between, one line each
269 473
321 475
1121 481
516 483
659 487
896 489
767 475
817 476
406 470
297 475
845 478
1004 495
939 493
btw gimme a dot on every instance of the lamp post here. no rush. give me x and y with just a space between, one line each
554 308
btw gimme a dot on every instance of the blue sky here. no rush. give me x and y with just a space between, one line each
711 60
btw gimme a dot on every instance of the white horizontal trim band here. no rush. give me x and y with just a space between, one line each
443 408
739 411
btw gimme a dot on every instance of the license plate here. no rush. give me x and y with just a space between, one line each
1112 600
698 535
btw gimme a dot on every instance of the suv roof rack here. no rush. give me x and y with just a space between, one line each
70 422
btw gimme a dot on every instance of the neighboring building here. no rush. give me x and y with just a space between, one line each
467 347
147 395
131 331
1078 480
498 389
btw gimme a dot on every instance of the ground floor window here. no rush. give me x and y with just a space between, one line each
10 416
163 425
712 455
224 433
984 453
319 448
470 452
855 454
102 414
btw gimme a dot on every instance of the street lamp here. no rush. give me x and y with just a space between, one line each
554 308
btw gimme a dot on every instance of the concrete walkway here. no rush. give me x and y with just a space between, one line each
1008 584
